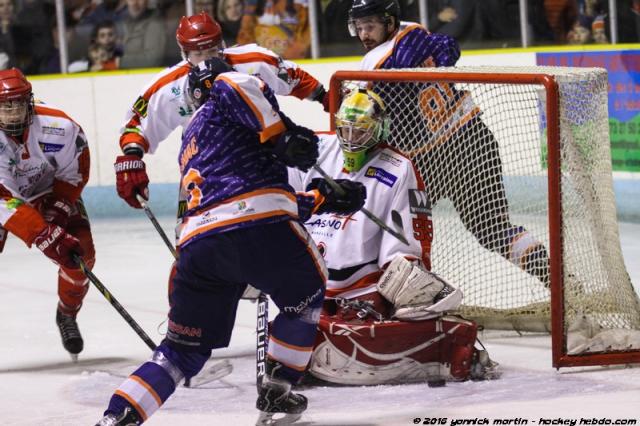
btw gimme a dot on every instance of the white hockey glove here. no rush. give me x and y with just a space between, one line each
416 294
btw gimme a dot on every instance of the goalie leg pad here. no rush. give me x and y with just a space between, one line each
367 352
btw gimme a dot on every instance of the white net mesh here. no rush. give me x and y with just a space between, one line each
481 150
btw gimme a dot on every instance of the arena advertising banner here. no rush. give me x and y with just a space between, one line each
624 98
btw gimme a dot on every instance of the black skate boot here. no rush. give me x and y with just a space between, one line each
128 418
537 264
71 338
275 398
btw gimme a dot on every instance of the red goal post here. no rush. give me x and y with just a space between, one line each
551 125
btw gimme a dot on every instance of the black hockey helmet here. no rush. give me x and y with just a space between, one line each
202 76
364 8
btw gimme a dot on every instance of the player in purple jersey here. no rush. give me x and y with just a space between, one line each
242 224
460 155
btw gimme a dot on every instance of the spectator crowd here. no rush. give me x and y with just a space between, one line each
124 34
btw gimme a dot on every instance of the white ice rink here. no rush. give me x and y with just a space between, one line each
40 386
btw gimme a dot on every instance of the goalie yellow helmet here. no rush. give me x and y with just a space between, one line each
361 124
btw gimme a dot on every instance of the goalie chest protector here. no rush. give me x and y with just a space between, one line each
367 352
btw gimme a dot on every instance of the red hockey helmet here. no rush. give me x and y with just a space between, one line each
16 102
13 85
198 32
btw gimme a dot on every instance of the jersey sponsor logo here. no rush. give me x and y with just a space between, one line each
419 202
50 147
381 175
176 91
140 106
53 130
390 159
339 223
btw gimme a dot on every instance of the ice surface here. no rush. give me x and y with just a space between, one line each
40 386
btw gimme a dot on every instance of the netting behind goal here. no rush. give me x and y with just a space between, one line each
517 166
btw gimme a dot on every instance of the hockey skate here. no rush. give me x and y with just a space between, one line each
128 418
275 398
70 334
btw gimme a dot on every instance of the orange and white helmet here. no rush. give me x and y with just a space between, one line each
16 102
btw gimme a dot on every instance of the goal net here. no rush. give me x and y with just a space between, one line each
516 163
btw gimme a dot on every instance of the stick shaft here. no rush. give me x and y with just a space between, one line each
116 305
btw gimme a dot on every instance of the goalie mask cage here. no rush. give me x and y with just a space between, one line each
552 132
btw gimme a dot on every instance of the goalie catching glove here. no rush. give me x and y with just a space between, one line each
416 294
350 201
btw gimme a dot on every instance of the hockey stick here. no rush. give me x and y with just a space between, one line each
399 234
114 302
262 337
156 225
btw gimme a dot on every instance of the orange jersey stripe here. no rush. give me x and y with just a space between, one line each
44 110
166 79
243 58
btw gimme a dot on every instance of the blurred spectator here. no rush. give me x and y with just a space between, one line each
33 30
456 18
208 6
102 59
107 10
628 20
500 20
279 25
599 31
144 36
229 17
561 15
7 39
580 33
106 51
51 62
76 10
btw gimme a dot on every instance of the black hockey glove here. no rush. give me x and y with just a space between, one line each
297 148
350 202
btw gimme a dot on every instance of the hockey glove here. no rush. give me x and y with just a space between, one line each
131 179
55 210
58 246
350 202
323 97
297 148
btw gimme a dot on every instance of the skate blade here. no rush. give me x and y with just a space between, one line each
266 419
74 358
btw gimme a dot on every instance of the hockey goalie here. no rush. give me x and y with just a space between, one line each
386 318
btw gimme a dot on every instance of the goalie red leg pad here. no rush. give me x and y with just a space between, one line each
367 352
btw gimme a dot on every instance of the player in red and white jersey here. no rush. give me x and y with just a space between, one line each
165 105
44 166
451 132
385 319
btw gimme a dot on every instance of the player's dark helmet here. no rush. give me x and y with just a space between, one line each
363 8
16 102
198 32
202 76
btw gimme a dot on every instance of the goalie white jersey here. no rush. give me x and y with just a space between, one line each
354 248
